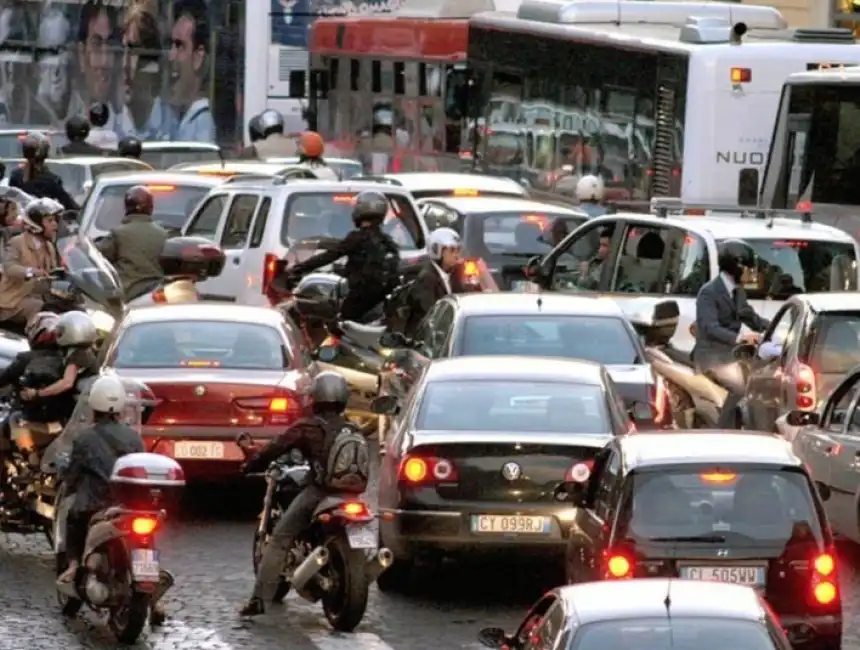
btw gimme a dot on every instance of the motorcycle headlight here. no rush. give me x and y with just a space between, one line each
103 321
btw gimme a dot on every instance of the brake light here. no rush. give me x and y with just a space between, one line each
354 510
470 269
281 409
133 472
824 564
270 268
618 566
721 478
804 384
824 589
579 472
161 188
416 470
144 525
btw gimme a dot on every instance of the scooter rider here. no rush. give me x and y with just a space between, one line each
255 133
41 332
373 258
313 437
34 178
134 248
311 148
28 259
589 191
130 147
274 144
721 308
434 280
77 131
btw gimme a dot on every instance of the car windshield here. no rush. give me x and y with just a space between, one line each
687 633
734 505
521 234
835 343
326 215
513 406
603 339
173 204
200 344
785 267
167 159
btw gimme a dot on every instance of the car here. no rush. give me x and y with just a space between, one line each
263 224
504 232
164 155
246 168
346 168
734 507
10 139
481 451
424 185
529 325
648 614
216 370
78 173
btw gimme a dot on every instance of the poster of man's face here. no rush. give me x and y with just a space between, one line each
97 50
187 55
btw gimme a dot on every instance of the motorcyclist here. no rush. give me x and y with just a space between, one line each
589 191
34 178
721 309
93 455
433 281
372 258
134 248
312 437
311 148
27 260
130 147
273 144
255 134
41 334
101 136
9 220
77 131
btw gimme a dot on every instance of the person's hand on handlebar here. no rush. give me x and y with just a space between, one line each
751 338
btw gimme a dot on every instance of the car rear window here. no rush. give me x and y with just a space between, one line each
522 234
173 204
677 633
835 344
328 215
167 159
720 505
201 344
785 267
603 339
513 406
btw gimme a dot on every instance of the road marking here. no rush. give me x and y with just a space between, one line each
352 641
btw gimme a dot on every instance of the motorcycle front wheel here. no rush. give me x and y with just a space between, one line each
345 601
283 586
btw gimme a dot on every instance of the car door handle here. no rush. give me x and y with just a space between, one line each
237 260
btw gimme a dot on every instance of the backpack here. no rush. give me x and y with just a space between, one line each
347 465
383 261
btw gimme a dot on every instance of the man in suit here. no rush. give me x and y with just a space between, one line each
721 309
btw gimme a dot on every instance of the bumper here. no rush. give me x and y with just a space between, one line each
813 632
205 453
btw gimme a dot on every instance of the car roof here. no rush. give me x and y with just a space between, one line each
704 447
204 311
842 301
511 303
160 145
646 598
160 176
491 204
423 181
321 186
241 166
292 160
503 368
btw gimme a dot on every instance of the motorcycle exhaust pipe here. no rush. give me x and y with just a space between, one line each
383 559
309 568
97 592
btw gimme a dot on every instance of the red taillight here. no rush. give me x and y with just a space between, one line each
133 472
418 470
144 525
824 589
158 296
280 409
618 567
579 472
471 270
355 510
270 268
804 383
824 564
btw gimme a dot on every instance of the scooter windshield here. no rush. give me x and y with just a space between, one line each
93 274
16 196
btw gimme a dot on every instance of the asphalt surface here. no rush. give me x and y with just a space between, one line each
209 550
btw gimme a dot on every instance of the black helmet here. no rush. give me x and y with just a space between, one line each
330 392
255 128
370 207
77 128
732 256
271 121
35 146
130 147
99 114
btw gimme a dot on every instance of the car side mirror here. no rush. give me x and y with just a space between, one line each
492 637
393 340
535 271
802 418
640 412
385 405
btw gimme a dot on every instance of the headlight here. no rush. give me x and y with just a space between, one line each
103 321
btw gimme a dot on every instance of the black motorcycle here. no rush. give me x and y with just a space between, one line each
336 558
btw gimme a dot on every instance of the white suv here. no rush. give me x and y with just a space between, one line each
259 222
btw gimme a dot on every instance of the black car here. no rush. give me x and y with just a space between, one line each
482 452
504 232
721 506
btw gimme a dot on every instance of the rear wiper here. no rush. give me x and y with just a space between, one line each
713 539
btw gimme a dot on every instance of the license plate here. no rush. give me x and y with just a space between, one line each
741 575
361 536
511 524
525 286
144 564
199 450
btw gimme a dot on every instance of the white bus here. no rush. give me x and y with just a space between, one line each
694 86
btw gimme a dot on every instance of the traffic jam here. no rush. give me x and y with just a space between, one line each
513 321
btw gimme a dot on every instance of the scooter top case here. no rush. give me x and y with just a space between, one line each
146 482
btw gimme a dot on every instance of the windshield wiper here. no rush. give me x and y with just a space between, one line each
713 539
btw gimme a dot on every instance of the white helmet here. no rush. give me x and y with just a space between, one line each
439 240
589 188
75 328
107 395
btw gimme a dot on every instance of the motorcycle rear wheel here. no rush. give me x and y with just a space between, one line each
127 621
345 603
283 585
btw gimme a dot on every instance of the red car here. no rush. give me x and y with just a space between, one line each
216 370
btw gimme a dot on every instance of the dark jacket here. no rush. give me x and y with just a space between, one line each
423 294
134 249
13 373
91 462
43 184
81 149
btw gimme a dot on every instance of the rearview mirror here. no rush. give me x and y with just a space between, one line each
535 271
802 418
492 637
639 411
385 405
393 340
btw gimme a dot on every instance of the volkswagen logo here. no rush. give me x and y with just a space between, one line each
511 471
200 391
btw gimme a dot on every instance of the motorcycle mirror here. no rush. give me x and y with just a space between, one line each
769 350
744 352
385 405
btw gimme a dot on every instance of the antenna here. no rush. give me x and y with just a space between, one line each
618 12
667 602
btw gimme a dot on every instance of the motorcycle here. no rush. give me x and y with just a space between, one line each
120 575
336 558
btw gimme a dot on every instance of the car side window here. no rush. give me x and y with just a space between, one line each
545 633
606 487
570 256
441 331
238 224
533 619
643 266
205 222
259 229
692 268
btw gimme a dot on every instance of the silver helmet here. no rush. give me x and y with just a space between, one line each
271 121
76 329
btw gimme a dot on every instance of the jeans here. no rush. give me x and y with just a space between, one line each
292 522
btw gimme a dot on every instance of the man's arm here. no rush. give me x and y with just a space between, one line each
276 448
77 463
12 263
748 315
707 321
344 248
107 247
